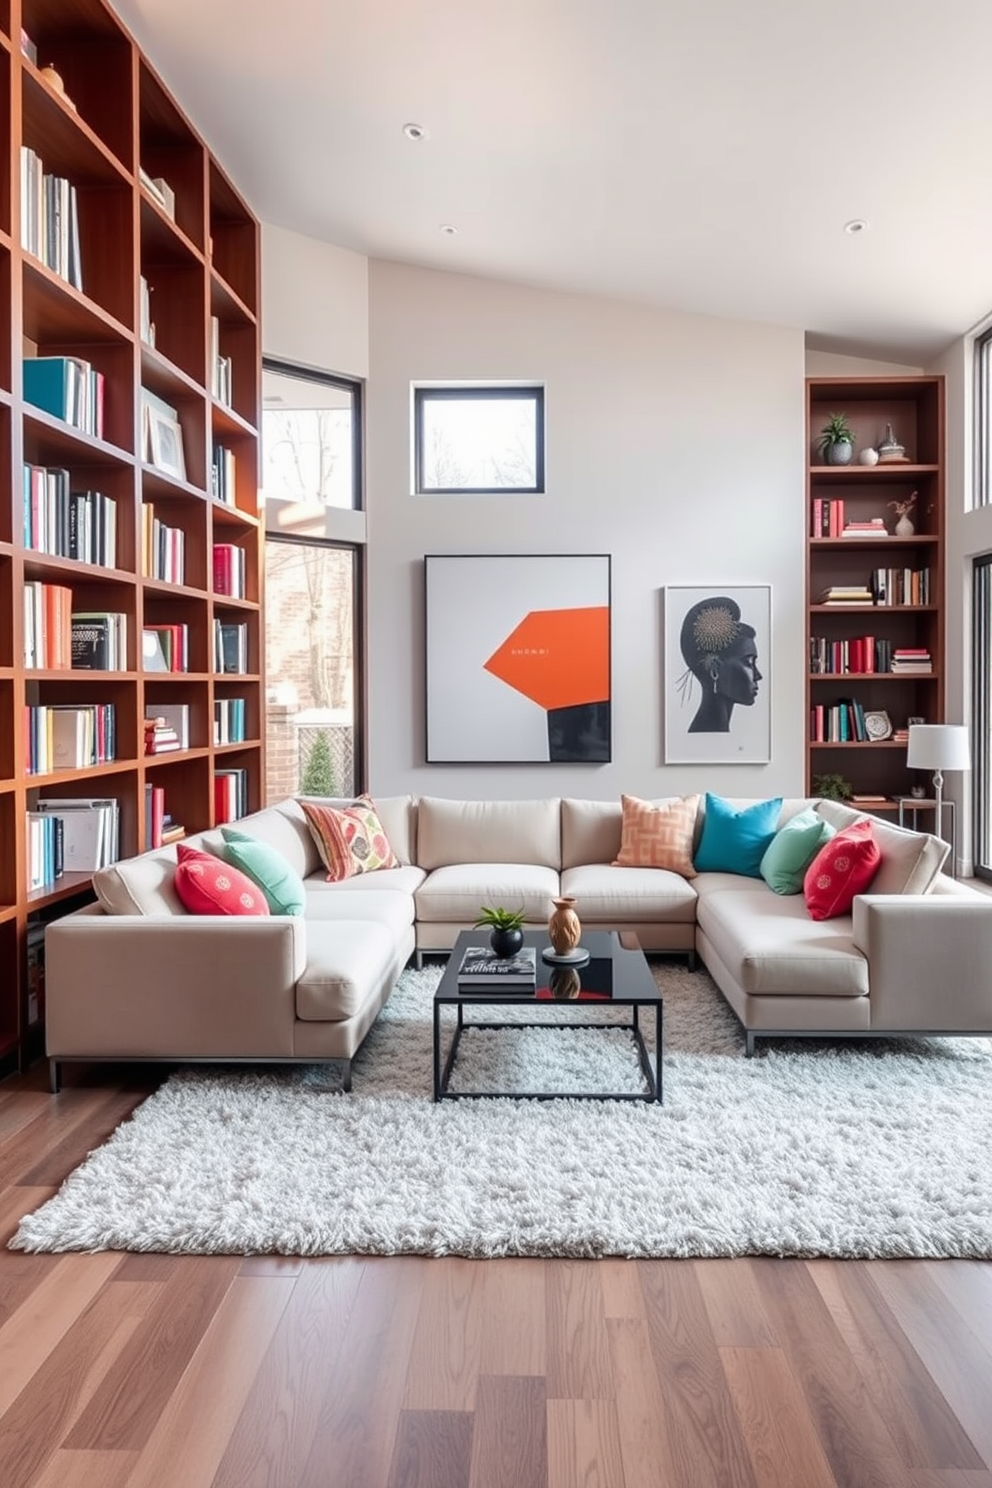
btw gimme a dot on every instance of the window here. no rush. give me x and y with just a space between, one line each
981 600
983 420
478 440
311 423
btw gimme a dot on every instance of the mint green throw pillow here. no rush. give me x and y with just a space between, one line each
734 840
281 884
792 849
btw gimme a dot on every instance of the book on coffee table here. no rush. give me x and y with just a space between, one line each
481 969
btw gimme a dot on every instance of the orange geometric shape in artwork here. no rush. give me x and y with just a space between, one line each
557 658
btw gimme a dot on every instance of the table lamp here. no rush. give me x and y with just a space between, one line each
938 747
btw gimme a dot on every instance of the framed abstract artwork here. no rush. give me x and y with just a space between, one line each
518 658
716 679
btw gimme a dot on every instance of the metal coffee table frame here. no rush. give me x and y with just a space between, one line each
601 945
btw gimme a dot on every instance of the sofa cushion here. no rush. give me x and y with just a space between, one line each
843 868
406 879
488 832
455 894
590 831
350 839
346 961
209 886
605 895
658 836
771 946
140 886
838 814
281 885
792 849
911 861
325 903
735 838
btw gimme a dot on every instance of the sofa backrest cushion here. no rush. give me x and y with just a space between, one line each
283 827
911 861
140 886
451 832
590 832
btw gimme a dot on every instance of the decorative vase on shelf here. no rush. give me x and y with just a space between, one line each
564 928
904 527
506 942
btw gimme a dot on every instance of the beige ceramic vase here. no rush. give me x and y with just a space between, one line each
564 928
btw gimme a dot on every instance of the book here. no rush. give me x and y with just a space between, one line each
481 967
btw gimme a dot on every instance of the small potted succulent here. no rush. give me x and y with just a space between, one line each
836 441
506 934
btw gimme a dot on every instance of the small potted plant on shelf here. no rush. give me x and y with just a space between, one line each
832 787
506 934
836 442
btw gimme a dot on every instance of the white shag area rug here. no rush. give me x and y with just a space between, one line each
833 1149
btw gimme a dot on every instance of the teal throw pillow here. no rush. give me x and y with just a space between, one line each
281 884
734 841
792 849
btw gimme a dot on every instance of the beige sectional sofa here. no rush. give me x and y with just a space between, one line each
135 976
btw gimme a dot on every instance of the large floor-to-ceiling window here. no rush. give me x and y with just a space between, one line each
311 451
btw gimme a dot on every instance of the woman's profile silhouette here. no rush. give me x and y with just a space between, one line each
719 650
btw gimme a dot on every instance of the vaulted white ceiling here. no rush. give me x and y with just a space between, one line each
696 154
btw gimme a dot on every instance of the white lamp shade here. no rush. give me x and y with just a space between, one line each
938 746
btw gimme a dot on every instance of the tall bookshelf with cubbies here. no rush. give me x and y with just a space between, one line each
129 405
875 582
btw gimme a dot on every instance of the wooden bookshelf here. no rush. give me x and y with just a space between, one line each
914 407
112 134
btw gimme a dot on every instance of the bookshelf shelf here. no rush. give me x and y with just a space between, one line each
911 566
151 204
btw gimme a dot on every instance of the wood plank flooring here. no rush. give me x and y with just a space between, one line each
148 1371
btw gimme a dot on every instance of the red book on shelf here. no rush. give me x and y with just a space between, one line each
158 814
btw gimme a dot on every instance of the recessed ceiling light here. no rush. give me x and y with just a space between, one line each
415 131
448 230
855 226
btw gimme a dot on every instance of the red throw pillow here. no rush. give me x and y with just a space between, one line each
208 886
843 867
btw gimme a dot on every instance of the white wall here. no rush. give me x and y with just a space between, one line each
674 442
315 303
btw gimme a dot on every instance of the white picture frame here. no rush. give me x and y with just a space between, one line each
716 683
165 443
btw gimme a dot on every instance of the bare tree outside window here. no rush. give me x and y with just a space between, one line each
476 440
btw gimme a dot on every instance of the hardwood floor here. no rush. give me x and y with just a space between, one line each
151 1371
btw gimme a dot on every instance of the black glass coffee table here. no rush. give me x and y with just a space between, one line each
616 975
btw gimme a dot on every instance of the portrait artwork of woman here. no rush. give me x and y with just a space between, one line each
720 652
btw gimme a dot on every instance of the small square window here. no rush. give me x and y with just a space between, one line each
479 440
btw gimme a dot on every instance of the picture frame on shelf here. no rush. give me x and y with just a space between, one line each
518 658
165 443
717 702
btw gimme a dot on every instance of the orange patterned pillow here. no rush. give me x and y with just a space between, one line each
658 836
349 839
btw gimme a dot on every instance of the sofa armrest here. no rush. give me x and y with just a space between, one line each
165 986
929 960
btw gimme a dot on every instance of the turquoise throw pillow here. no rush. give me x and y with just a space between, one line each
734 841
281 884
792 849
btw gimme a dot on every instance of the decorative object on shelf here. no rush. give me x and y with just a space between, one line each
518 658
564 927
918 792
868 456
506 934
717 640
938 747
564 983
890 451
836 441
832 787
54 81
904 526
878 725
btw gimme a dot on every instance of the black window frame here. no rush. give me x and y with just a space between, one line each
983 419
452 393
352 385
981 756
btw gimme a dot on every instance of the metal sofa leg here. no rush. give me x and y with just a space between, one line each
346 1076
54 1076
748 1044
418 960
691 960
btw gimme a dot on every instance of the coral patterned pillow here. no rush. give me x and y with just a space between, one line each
349 839
208 886
843 867
658 836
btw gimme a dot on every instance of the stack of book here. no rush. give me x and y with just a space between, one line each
68 524
50 219
847 594
901 586
47 626
229 570
68 388
873 528
230 795
912 660
88 838
481 970
160 736
67 736
861 655
99 641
